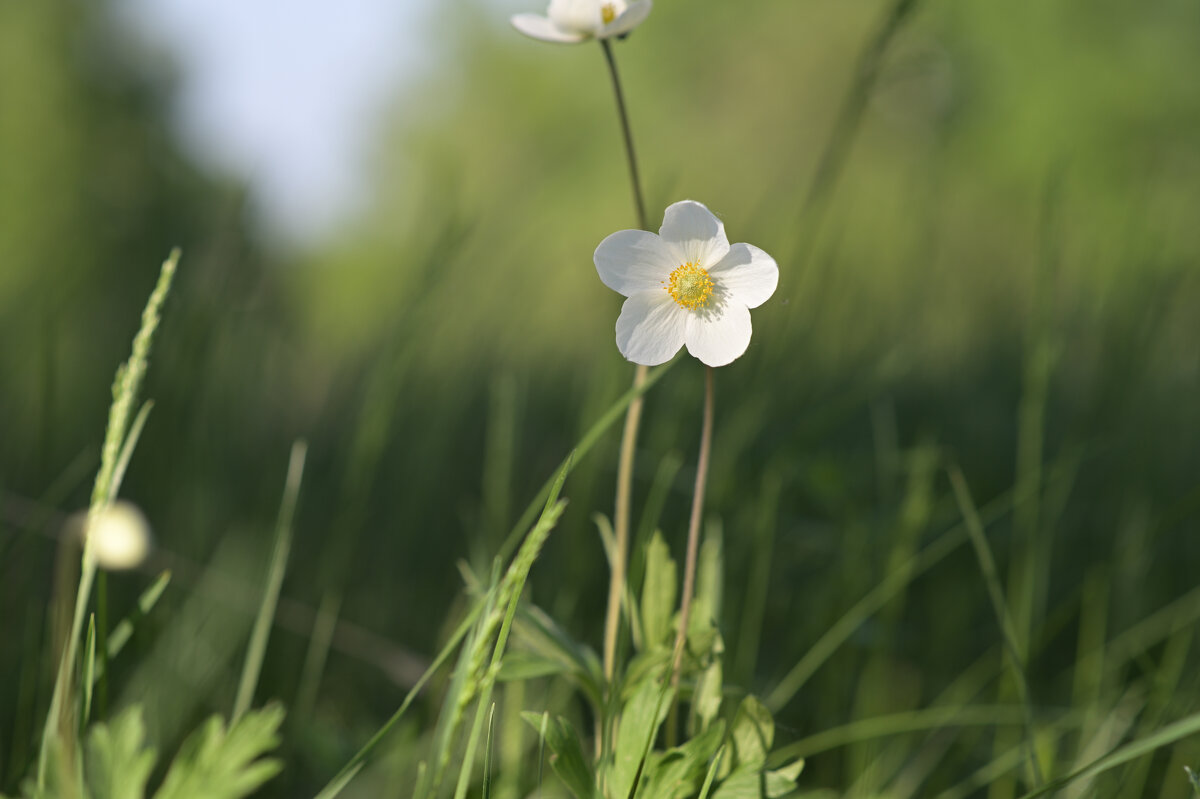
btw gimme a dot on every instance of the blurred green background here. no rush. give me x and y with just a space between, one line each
1003 277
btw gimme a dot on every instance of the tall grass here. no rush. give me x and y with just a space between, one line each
984 221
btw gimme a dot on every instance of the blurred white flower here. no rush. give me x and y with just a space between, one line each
571 21
119 535
686 285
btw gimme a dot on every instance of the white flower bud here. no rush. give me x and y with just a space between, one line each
120 536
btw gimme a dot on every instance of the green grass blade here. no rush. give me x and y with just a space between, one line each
347 772
257 648
851 620
513 586
713 768
1131 751
121 633
488 747
125 388
89 670
899 723
131 439
589 439
987 565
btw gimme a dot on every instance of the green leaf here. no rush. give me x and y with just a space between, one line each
678 773
711 570
640 720
744 782
118 765
519 665
568 759
782 781
713 768
706 702
753 733
217 764
89 667
658 593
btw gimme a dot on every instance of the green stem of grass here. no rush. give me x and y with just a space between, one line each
257 648
1011 644
119 439
693 545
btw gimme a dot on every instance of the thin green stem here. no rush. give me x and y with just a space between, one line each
616 586
693 543
102 644
633 416
1003 618
256 650
119 439
630 152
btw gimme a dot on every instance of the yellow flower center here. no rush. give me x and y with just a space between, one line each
690 286
608 12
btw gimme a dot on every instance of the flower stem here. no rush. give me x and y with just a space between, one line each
616 585
630 153
693 542
633 415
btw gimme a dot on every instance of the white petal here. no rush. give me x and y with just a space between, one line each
694 233
650 329
633 261
539 27
578 16
719 335
746 274
629 19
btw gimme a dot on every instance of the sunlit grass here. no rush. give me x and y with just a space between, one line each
994 307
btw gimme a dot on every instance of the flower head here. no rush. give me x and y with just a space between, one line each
686 286
119 535
572 21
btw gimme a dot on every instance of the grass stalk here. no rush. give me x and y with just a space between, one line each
117 439
1012 645
257 648
589 439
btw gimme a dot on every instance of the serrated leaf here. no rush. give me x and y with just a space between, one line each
677 774
703 638
782 781
541 634
117 763
214 763
567 758
658 592
753 733
63 779
744 782
640 719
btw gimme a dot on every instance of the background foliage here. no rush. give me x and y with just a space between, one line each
1004 277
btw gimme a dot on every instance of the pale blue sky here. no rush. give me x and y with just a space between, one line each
285 95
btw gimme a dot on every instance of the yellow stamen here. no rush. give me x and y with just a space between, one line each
690 286
608 12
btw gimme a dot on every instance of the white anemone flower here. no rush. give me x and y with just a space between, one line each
120 536
686 286
573 21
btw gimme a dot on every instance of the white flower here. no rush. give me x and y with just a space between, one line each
571 21
686 285
120 536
